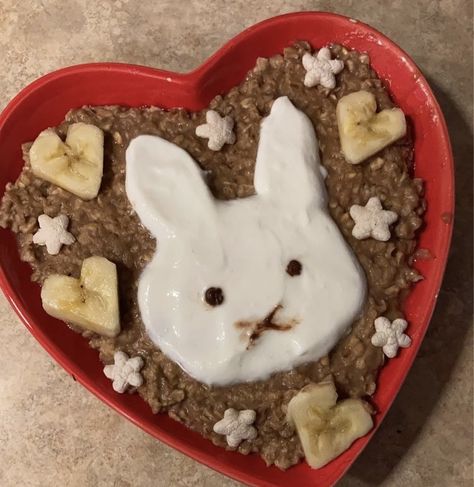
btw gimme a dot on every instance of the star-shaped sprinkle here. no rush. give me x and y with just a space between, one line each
237 426
389 335
217 129
53 233
320 69
124 372
372 220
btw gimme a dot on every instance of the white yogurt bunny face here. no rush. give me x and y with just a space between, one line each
264 320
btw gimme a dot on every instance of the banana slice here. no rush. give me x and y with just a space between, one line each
362 131
90 302
75 165
326 429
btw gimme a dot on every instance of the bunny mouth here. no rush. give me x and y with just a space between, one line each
253 330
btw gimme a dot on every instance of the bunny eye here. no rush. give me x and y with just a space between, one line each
294 268
214 296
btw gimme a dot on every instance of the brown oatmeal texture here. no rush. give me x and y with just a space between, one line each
107 226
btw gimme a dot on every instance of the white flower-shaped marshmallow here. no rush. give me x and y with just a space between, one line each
124 372
389 335
219 130
372 220
237 426
320 69
53 233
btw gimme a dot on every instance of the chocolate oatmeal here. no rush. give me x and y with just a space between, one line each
107 226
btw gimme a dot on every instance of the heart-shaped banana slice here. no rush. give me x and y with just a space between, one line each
90 302
362 131
75 165
327 428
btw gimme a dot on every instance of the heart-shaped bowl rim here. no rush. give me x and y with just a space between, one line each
45 102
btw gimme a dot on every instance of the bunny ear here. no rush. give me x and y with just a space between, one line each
287 169
167 190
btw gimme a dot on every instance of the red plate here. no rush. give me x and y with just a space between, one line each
45 102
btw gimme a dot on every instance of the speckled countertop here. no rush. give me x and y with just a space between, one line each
53 432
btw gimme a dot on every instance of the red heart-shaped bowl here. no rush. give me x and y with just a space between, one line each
45 102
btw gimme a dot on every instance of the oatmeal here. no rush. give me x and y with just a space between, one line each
107 226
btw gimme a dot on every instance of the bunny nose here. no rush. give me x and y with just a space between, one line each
254 329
